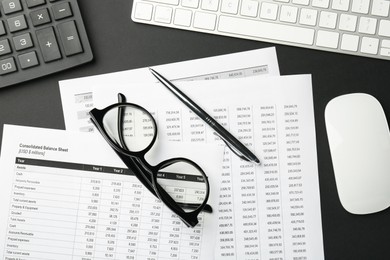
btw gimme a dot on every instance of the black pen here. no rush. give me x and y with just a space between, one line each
236 146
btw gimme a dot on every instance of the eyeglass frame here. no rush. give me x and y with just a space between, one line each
146 173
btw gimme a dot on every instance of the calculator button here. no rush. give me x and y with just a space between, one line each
33 3
22 42
17 23
48 43
7 66
28 60
4 47
61 11
70 38
40 17
2 29
11 6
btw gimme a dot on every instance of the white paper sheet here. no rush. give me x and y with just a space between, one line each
76 104
64 196
266 212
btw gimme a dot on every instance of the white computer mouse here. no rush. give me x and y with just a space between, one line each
359 142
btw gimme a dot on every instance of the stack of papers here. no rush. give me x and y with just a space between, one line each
271 211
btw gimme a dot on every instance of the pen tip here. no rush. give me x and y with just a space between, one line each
257 161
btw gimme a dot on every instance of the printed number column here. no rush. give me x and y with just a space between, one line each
271 197
88 215
295 182
149 236
171 229
197 130
171 127
108 219
130 219
244 175
191 238
226 233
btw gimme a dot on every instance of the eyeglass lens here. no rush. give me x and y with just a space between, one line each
137 127
185 184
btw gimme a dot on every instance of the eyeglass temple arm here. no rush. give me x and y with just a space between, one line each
147 182
121 99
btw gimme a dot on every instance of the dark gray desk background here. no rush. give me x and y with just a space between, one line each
120 44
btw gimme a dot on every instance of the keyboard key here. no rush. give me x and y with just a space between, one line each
163 14
341 5
369 45
22 42
70 38
205 20
269 11
320 3
348 22
288 14
28 60
7 66
17 23
61 11
40 17
4 47
143 11
367 25
183 17
2 29
380 8
327 39
260 29
308 17
33 3
11 6
328 20
190 3
301 2
386 44
48 43
385 50
349 42
210 5
249 8
384 28
360 6
229 6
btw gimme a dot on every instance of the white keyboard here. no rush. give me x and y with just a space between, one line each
357 27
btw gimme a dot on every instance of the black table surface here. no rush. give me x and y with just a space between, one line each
120 44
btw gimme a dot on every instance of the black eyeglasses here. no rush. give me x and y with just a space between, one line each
178 182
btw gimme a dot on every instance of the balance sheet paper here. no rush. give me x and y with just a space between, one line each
67 195
271 211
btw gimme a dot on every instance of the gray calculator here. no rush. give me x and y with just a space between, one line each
40 37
